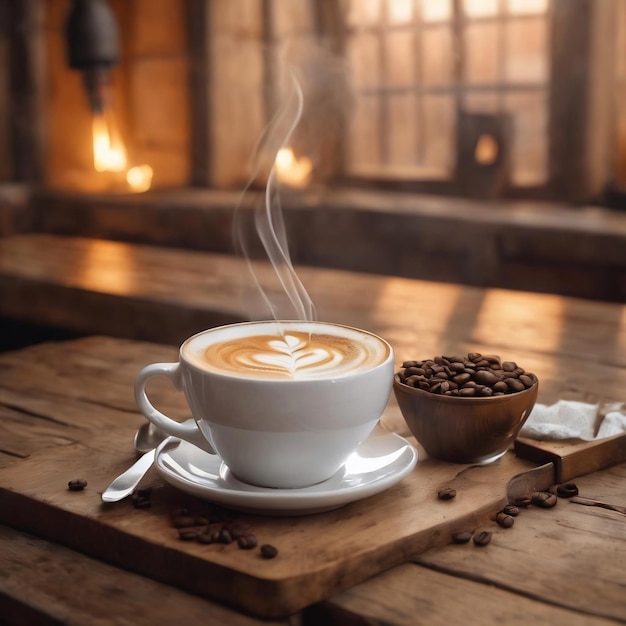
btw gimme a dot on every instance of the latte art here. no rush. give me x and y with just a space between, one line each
296 355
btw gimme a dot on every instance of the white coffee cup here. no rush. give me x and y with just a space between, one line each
284 404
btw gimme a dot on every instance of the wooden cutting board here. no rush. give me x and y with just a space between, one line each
318 554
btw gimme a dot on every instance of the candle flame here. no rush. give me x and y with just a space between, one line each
487 150
139 177
109 154
293 171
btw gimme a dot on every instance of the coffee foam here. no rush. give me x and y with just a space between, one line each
295 354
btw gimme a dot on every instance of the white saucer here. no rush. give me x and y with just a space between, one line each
379 462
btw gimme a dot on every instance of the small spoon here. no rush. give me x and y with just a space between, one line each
147 439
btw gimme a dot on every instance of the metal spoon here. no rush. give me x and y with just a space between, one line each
147 438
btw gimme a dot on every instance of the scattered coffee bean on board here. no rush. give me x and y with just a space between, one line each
482 538
544 499
188 534
446 494
140 498
77 484
511 509
473 375
247 542
567 490
268 551
462 537
504 520
183 521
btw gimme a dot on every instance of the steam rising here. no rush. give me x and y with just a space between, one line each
263 224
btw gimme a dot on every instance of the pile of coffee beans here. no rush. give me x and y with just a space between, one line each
474 375
215 528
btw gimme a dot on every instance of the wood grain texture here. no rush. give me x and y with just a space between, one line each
74 400
58 585
554 566
67 409
164 295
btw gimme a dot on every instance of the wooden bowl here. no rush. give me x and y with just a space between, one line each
464 430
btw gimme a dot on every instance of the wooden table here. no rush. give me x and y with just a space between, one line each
71 403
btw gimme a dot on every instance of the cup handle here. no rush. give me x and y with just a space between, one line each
189 430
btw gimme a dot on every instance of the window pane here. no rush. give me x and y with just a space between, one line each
363 12
402 129
482 57
437 55
526 50
438 134
480 8
530 130
364 56
436 10
526 7
400 58
364 135
400 11
481 102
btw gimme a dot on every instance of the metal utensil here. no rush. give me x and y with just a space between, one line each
147 439
125 484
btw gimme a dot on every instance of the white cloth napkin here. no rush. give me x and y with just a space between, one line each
569 419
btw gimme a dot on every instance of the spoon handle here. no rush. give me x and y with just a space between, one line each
125 483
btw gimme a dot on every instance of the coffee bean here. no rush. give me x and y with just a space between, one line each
77 484
511 509
247 542
543 499
268 551
482 538
188 534
567 490
486 375
523 502
504 520
446 494
462 537
183 521
225 536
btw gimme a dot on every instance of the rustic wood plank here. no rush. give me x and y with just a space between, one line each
70 588
411 594
166 294
547 551
319 554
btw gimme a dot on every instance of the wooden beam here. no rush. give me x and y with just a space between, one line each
25 24
198 14
582 48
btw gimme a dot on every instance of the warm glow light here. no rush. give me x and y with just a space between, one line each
487 150
292 171
436 10
520 7
107 267
139 177
481 8
109 154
